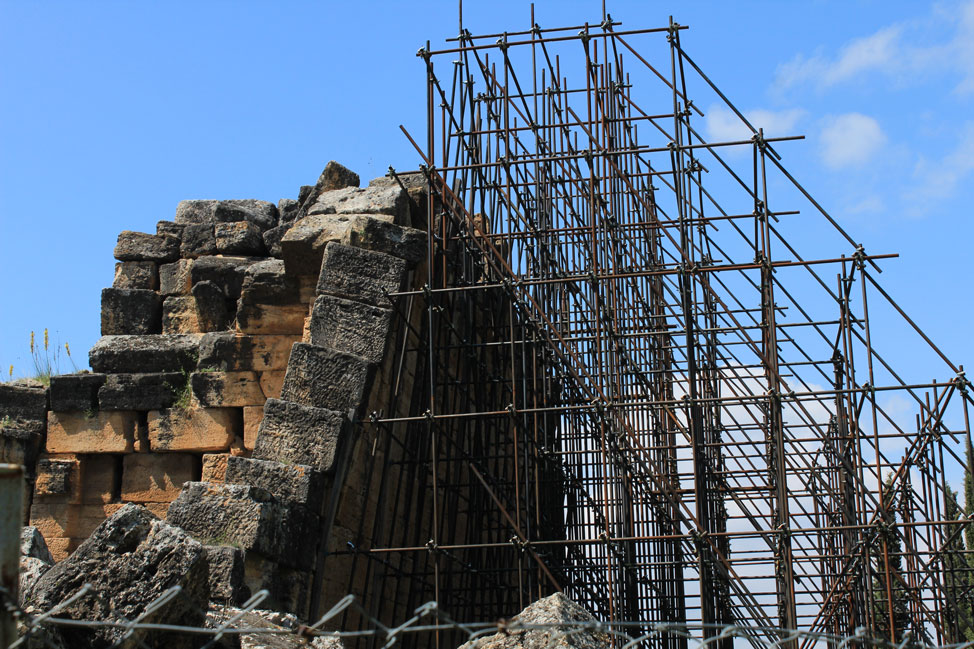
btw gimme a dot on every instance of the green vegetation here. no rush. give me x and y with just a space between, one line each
46 359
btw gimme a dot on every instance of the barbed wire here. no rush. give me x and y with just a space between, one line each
430 618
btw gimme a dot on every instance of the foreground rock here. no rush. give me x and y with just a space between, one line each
276 624
555 610
130 560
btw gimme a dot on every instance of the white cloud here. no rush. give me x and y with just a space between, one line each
936 180
859 55
724 126
850 140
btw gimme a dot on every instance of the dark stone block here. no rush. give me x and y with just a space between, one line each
228 352
375 234
198 241
195 212
23 400
174 278
130 311
304 193
149 353
325 378
139 246
141 391
289 211
171 228
227 273
272 240
348 326
58 476
266 283
136 274
21 441
239 238
294 433
296 483
131 559
226 566
358 274
336 176
261 213
214 309
75 391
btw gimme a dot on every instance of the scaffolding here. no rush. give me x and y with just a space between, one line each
642 380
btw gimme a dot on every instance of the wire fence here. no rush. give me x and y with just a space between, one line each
228 626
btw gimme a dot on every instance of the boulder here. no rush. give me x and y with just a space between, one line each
76 391
557 614
149 353
130 311
358 274
130 560
139 246
325 378
299 434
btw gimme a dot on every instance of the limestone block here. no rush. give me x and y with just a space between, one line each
155 477
58 479
299 434
150 353
136 274
350 326
179 315
287 482
169 227
389 202
100 478
195 211
252 416
130 311
271 384
55 521
272 319
229 351
359 274
139 246
91 516
336 176
371 233
288 211
304 243
141 391
175 278
25 401
198 240
158 509
325 378
76 391
239 238
227 389
100 432
214 467
193 429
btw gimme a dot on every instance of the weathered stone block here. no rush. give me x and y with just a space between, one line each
150 353
213 309
228 273
59 479
349 326
358 274
141 391
299 434
175 278
125 548
287 482
130 311
227 389
139 246
155 477
101 432
325 378
239 238
271 384
76 391
336 176
101 478
89 517
193 429
271 319
23 400
21 441
195 212
272 239
270 301
171 228
261 213
304 243
54 521
252 416
198 240
214 467
389 202
227 574
136 274
230 351
375 234
288 211
179 315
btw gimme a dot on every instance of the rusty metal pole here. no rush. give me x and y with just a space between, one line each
11 518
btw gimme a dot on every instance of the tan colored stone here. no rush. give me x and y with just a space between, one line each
159 509
192 429
214 467
271 384
179 315
55 520
275 319
252 416
61 547
102 432
238 449
228 389
99 478
155 477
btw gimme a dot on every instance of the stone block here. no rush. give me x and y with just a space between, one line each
214 467
227 389
272 319
271 384
101 478
179 315
252 416
171 228
359 274
130 311
228 351
272 239
141 391
176 278
195 211
227 273
136 274
227 574
55 521
299 434
24 400
125 549
139 246
198 240
155 477
91 516
240 238
58 479
270 300
214 309
388 202
101 432
150 353
287 482
349 326
261 213
288 211
375 234
193 429
304 243
21 442
336 176
76 391
326 378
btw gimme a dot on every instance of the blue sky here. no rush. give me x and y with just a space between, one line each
112 112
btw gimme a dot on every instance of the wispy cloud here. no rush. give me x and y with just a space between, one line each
907 53
724 126
850 140
939 179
